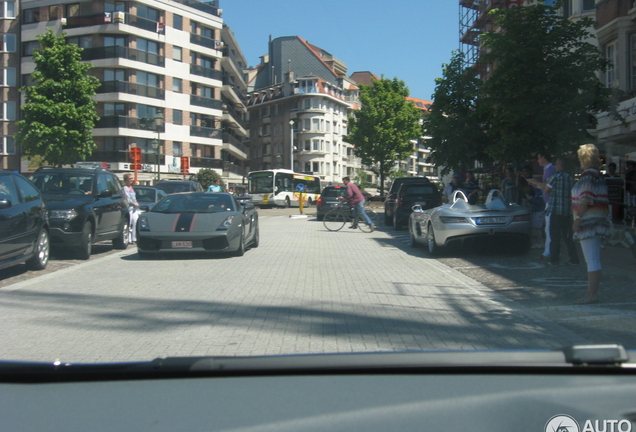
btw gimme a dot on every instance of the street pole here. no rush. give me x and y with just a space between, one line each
291 146
159 122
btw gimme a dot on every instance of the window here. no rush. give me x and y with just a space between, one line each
8 111
144 11
7 9
81 41
610 73
7 188
177 53
72 10
8 42
177 22
28 48
177 85
114 109
114 75
177 148
567 8
147 46
7 145
147 79
8 77
112 6
588 5
31 16
177 117
115 144
114 41
27 190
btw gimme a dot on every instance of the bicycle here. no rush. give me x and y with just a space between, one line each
336 218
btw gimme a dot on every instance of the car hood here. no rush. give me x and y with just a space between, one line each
63 202
186 222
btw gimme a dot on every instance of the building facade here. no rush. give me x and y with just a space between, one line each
171 75
298 105
9 82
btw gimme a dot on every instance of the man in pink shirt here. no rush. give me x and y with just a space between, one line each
356 199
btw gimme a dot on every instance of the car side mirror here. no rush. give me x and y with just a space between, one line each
5 203
144 208
105 194
248 206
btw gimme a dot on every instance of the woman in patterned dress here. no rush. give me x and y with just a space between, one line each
590 210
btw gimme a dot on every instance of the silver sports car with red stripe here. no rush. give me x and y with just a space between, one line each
198 222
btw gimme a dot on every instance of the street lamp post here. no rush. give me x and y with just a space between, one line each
291 146
159 122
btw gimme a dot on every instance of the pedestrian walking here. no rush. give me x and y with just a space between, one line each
590 209
133 207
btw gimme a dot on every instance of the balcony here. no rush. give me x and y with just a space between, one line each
203 162
206 72
206 132
109 18
124 157
140 123
123 52
205 41
234 145
210 7
131 88
230 169
206 102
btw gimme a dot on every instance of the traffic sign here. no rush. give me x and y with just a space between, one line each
300 187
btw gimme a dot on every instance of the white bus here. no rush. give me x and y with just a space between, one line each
280 187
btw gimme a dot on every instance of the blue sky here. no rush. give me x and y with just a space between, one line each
407 39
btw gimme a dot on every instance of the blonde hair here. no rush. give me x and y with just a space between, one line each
589 156
127 176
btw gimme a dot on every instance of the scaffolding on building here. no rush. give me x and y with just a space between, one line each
474 20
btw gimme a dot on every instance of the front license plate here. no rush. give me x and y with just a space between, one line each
491 220
182 245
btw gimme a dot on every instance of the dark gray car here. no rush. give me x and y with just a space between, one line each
329 198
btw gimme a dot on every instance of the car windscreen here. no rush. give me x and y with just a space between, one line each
418 190
195 203
175 187
64 183
334 192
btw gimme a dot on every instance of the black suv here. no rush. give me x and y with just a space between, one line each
329 198
176 186
85 206
24 226
389 202
425 194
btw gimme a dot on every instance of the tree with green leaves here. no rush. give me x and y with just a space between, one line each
453 124
207 176
544 88
383 128
59 111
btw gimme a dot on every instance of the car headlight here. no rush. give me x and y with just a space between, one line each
66 215
225 225
143 224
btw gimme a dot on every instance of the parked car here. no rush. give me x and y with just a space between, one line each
198 222
389 202
148 196
24 226
328 199
177 186
424 194
85 206
459 221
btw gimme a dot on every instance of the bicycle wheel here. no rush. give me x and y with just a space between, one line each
362 223
334 220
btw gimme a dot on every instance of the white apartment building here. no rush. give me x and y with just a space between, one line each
172 81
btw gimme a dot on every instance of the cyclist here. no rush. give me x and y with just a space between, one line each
356 199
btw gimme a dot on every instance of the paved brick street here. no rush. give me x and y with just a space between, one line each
304 290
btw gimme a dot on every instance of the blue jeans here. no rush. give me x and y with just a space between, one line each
359 208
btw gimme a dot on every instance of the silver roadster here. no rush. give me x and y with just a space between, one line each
458 222
198 222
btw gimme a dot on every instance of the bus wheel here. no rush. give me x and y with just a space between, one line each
310 201
287 203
